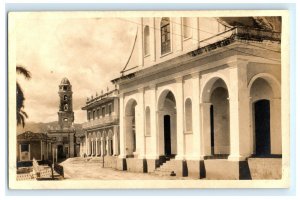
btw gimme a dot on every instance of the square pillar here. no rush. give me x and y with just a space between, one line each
101 146
153 154
106 146
96 146
122 127
179 111
205 129
239 111
115 140
140 125
86 141
197 141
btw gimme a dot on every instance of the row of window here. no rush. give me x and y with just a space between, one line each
165 34
97 112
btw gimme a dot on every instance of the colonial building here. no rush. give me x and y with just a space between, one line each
200 97
64 132
102 126
34 146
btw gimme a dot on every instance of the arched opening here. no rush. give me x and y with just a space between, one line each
266 118
110 143
148 122
188 115
130 127
215 114
165 35
146 41
167 124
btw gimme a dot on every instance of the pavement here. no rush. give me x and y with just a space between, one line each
81 168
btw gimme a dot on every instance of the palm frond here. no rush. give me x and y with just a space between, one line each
20 97
23 71
20 119
24 113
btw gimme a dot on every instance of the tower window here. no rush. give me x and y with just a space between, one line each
66 107
65 87
65 97
165 35
65 119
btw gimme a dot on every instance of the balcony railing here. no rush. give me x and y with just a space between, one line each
101 121
236 33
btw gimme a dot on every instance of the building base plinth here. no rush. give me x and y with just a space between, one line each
223 169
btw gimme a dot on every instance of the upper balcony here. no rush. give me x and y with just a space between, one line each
100 122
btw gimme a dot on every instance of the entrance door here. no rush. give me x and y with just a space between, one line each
167 134
262 127
60 152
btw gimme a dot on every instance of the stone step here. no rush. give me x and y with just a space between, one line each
166 169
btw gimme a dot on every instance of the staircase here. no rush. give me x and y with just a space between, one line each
167 168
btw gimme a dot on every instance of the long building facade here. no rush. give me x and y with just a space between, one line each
101 130
201 93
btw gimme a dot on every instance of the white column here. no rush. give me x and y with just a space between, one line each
140 133
239 112
115 140
86 142
179 111
122 127
205 129
101 146
152 39
197 141
107 146
96 146
153 154
93 148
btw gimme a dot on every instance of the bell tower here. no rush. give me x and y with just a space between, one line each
65 113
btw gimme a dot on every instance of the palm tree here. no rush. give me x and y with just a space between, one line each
21 114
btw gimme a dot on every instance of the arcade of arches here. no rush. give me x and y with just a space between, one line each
230 114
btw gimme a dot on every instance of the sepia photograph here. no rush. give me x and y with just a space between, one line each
148 99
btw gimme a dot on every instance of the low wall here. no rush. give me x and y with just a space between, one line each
265 168
135 165
110 162
221 169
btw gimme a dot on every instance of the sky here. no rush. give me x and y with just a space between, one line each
90 52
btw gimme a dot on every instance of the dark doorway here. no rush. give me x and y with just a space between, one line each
262 127
167 134
60 152
212 133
